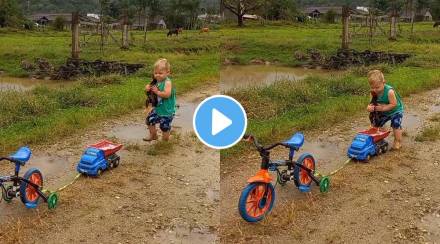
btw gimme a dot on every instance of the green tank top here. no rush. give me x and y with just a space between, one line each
166 106
385 100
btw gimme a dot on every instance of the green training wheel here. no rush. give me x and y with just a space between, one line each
52 200
324 184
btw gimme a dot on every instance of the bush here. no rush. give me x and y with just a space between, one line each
330 17
59 23
28 25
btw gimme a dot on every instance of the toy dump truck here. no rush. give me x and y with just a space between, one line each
368 143
98 158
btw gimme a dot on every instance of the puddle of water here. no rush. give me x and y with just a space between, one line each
213 195
184 116
183 121
328 156
431 223
411 122
435 108
236 76
181 234
133 133
25 84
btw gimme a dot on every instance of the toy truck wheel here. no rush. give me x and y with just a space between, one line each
379 150
99 173
116 163
385 148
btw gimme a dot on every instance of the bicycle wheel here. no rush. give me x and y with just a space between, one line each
256 201
301 175
28 193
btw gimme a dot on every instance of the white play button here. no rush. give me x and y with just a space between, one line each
219 122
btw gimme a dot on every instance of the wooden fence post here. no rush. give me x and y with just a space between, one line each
75 35
125 44
345 27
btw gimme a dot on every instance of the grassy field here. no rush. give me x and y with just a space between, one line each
276 111
44 114
277 43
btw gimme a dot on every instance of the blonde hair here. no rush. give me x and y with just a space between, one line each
375 76
162 64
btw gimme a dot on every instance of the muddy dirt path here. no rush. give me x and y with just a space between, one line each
161 193
394 198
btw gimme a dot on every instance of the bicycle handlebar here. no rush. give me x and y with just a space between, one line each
250 137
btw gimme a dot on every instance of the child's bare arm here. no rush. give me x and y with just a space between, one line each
166 93
393 102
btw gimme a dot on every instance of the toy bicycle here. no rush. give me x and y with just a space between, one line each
258 197
29 187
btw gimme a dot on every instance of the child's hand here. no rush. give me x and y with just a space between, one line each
147 87
370 108
154 89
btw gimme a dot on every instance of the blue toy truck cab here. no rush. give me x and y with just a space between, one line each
362 147
92 162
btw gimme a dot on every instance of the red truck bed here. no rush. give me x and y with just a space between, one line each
377 134
108 147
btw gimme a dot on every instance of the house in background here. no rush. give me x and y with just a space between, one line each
420 15
318 12
45 19
157 22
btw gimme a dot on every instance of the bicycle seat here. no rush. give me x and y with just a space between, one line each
296 141
22 155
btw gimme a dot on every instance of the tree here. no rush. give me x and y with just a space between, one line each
382 5
435 7
181 13
241 7
330 16
59 23
10 13
280 9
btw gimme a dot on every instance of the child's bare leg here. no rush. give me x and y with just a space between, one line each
397 138
166 136
153 133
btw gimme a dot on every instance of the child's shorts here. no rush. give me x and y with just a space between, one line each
396 120
164 121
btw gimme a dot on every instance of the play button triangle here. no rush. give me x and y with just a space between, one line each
219 122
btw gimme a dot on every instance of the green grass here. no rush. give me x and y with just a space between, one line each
45 115
431 133
278 43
